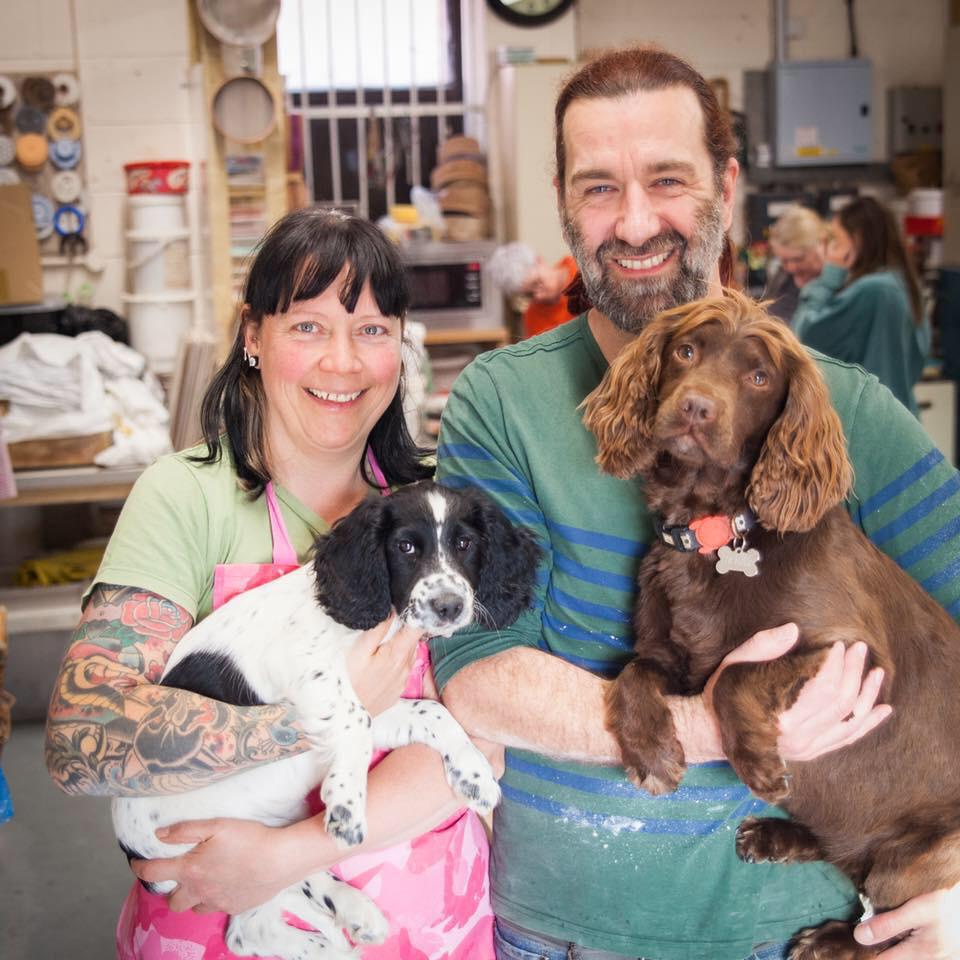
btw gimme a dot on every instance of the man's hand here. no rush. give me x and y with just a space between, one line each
835 708
378 671
215 874
931 922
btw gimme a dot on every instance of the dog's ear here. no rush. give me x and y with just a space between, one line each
621 411
803 470
508 568
353 582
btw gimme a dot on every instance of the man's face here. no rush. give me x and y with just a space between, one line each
639 207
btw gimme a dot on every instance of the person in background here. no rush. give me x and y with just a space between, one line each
865 307
301 423
583 863
798 239
521 273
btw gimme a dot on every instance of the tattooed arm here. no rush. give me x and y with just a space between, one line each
112 729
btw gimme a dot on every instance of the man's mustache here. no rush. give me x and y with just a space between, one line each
617 249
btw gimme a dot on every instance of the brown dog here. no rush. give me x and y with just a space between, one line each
726 418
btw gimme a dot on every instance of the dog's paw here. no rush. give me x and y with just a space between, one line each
659 772
751 847
348 829
768 780
358 915
471 777
830 941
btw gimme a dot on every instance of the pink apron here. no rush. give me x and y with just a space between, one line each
433 889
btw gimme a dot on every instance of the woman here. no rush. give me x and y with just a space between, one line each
798 240
310 405
865 306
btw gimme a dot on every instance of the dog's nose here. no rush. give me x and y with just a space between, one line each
697 408
447 606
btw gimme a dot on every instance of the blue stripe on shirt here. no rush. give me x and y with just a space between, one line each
571 632
600 610
616 824
736 793
917 512
897 486
936 540
602 578
599 541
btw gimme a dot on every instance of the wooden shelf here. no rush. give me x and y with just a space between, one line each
72 485
499 336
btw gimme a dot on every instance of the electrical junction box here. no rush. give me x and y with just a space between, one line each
822 112
914 119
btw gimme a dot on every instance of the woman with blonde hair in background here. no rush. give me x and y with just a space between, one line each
798 239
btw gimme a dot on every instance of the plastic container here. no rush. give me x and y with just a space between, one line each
160 213
157 176
158 261
925 202
159 322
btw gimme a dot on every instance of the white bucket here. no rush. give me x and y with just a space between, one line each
158 325
158 261
157 212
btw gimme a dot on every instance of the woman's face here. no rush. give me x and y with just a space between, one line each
328 375
841 248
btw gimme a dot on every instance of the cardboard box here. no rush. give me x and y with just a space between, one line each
21 277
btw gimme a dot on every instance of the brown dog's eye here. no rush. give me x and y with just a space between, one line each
759 378
685 351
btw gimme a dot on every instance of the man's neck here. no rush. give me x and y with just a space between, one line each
610 338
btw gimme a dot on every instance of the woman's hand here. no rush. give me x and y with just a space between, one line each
216 874
931 922
378 671
836 707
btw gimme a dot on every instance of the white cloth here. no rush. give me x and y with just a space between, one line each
59 386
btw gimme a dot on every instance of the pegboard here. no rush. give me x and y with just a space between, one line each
41 144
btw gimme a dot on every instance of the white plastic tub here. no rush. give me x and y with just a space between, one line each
158 262
157 212
159 322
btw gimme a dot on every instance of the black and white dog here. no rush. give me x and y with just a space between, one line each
442 559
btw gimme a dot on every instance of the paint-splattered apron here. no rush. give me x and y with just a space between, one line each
433 890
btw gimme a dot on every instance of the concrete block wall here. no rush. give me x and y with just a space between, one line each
131 58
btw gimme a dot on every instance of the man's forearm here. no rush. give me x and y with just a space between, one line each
530 700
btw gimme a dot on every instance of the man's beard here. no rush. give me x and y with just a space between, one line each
631 303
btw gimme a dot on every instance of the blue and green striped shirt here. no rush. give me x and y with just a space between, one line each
579 853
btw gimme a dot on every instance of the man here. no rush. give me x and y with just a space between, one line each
584 865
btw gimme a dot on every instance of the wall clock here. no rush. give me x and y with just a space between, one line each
529 13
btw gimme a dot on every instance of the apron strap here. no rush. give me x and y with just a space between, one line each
378 474
283 552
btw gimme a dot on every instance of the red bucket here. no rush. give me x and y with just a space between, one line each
157 176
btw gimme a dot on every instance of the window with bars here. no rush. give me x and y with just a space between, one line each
373 88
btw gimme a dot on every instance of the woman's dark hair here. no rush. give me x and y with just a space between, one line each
619 73
300 256
878 245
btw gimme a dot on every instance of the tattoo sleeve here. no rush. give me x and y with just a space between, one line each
112 729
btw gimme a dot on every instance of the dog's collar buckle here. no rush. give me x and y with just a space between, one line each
707 534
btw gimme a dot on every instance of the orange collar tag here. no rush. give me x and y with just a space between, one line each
712 532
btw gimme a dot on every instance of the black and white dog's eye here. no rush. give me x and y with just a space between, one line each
405 546
463 543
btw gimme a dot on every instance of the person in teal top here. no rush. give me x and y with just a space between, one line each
865 306
585 865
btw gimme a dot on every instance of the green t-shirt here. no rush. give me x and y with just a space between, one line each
578 852
181 519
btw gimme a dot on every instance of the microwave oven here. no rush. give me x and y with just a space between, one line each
450 286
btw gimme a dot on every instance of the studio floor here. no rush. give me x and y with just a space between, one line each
62 876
